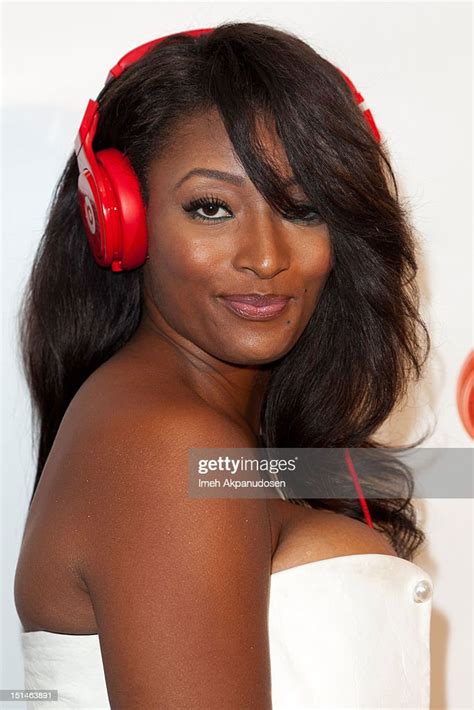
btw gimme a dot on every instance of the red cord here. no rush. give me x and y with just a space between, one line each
358 488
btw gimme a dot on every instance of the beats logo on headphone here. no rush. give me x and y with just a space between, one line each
109 194
90 217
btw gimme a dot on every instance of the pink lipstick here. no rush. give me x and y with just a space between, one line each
256 306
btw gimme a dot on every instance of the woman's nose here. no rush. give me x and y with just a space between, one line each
263 248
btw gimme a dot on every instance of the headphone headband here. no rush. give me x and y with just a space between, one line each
135 54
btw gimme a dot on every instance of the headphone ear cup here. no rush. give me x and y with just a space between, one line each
129 241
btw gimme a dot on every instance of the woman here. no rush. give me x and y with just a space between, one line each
264 296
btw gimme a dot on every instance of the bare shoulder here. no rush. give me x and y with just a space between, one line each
125 431
175 582
130 454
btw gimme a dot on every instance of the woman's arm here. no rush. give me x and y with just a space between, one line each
179 586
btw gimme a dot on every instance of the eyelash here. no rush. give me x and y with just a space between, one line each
192 207
204 201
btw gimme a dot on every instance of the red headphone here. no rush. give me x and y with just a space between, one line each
111 204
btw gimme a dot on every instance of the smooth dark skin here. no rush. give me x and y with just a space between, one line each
192 262
178 588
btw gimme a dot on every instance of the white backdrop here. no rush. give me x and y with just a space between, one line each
412 63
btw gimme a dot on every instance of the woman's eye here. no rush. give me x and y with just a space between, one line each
209 207
309 217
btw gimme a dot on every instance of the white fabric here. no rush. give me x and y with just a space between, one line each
344 632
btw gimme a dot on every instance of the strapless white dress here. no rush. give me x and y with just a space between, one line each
344 632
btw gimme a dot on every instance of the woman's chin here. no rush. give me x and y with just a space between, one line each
253 355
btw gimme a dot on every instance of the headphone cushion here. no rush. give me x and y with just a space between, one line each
133 241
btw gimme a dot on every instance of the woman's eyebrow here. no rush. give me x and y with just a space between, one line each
218 174
221 175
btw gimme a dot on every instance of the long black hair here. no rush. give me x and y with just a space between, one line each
365 340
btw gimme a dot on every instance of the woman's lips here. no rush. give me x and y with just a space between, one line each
253 308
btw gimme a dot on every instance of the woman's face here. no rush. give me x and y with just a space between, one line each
198 255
